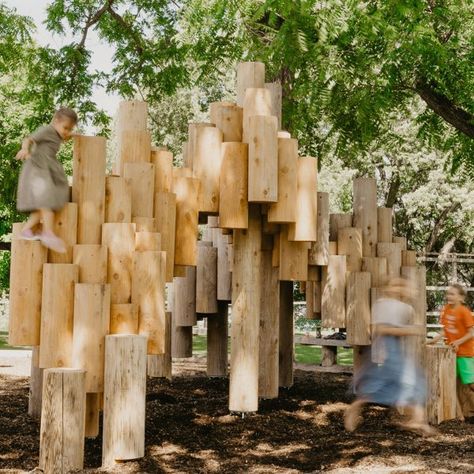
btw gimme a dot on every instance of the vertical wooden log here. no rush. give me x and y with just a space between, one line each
144 224
393 254
26 282
377 267
160 365
88 187
224 276
276 250
384 224
284 210
269 329
336 222
276 97
184 303
441 373
207 167
258 101
187 190
124 319
358 309
217 341
181 341
243 396
142 182
162 160
124 387
65 227
118 199
135 147
365 213
408 258
206 280
35 393
249 74
147 241
215 110
349 243
92 263
304 229
91 325
263 159
132 115
57 312
228 118
165 219
400 240
120 240
148 293
286 346
233 207
93 404
319 251
293 258
333 288
62 421
190 152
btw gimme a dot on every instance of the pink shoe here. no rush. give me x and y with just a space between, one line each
53 242
27 234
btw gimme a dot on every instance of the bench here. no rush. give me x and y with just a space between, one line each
328 347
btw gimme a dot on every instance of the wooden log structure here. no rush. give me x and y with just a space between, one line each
217 341
257 102
246 279
124 318
120 241
377 267
184 298
118 199
305 226
91 260
26 283
284 210
65 227
319 251
400 240
206 280
293 258
160 365
147 241
93 404
35 393
91 325
263 159
148 293
393 253
224 275
365 213
181 341
286 330
135 147
57 314
358 309
249 75
408 258
276 100
228 118
62 421
189 149
384 224
142 183
144 224
124 387
88 187
333 292
162 161
349 243
336 222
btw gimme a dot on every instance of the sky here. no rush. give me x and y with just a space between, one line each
101 57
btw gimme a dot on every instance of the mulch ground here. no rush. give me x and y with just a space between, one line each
190 430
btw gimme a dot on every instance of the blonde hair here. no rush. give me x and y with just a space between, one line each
460 289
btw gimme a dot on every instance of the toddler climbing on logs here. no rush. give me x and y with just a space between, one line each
43 187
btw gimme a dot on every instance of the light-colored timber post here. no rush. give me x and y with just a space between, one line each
333 289
93 406
160 365
229 119
65 227
276 95
249 74
384 224
206 280
319 251
286 346
365 213
124 319
293 258
336 222
393 254
118 199
142 183
217 341
92 263
358 309
35 393
62 421
163 163
349 243
184 302
124 388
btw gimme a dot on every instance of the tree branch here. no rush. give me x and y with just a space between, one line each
393 191
438 224
136 38
445 108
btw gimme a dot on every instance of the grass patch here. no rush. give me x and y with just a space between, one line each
304 354
4 342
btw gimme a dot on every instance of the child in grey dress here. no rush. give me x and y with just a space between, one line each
43 187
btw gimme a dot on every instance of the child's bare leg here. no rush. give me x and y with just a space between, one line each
34 219
47 217
48 237
352 416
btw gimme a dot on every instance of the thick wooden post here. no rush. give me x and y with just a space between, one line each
62 421
217 341
65 227
400 240
206 280
319 251
249 74
293 258
160 365
135 147
408 258
228 118
349 243
93 404
333 288
377 267
286 346
393 254
276 96
224 275
124 319
124 388
118 199
190 147
269 328
91 325
142 182
233 210
120 240
88 187
184 302
26 283
163 163
384 224
284 211
181 341
365 213
243 396
35 394
358 309
148 293
147 241
304 229
92 263
144 224
336 222
187 191
57 313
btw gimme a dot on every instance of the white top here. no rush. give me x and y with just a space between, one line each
392 312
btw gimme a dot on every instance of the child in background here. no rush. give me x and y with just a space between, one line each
458 329
43 187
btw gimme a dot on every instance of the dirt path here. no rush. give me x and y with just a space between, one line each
189 430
